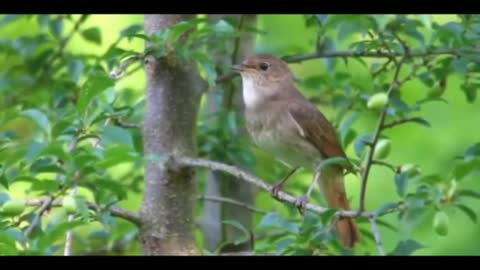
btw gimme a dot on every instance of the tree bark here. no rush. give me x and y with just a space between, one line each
219 184
172 101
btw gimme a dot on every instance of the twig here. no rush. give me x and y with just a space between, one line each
120 123
376 235
399 122
115 211
385 164
231 201
245 176
376 136
376 54
384 67
116 73
44 206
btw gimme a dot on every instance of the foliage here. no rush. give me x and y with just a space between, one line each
64 115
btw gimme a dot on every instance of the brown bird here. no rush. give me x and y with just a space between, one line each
284 123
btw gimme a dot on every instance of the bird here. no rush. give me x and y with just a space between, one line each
283 122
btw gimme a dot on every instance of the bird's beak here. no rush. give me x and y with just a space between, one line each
238 68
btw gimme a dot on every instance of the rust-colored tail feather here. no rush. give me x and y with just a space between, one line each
333 189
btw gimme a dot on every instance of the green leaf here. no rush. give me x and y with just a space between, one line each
93 35
118 189
360 144
426 21
401 183
75 69
8 18
34 150
46 166
93 86
420 121
117 135
384 208
334 161
430 179
347 124
386 225
383 20
327 215
206 66
468 193
464 167
38 118
246 234
283 244
118 154
131 30
406 248
57 233
56 27
472 151
275 220
470 92
468 211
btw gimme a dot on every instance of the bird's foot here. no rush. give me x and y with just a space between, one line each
275 190
301 203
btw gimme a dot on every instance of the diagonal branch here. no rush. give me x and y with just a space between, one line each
245 176
46 203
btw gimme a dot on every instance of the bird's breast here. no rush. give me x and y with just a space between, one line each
281 140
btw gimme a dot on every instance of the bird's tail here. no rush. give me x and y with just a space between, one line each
333 189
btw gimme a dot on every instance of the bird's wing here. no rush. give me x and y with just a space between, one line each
315 128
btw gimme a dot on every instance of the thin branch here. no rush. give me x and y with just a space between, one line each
395 85
116 73
401 121
114 211
44 206
120 123
385 164
245 176
376 54
376 235
231 201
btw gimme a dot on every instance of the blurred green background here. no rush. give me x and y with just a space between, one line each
455 127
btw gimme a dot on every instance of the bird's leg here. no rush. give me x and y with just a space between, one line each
302 201
278 186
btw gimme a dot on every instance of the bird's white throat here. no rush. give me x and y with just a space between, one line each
251 97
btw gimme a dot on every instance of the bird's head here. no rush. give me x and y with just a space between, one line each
263 76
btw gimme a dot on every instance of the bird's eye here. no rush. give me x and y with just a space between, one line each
263 66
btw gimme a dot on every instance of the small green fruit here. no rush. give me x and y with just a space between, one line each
440 223
382 149
69 204
377 101
13 207
409 169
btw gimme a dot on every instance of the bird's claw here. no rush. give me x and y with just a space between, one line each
301 203
275 190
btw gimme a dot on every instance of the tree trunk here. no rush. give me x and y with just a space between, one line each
219 184
172 101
